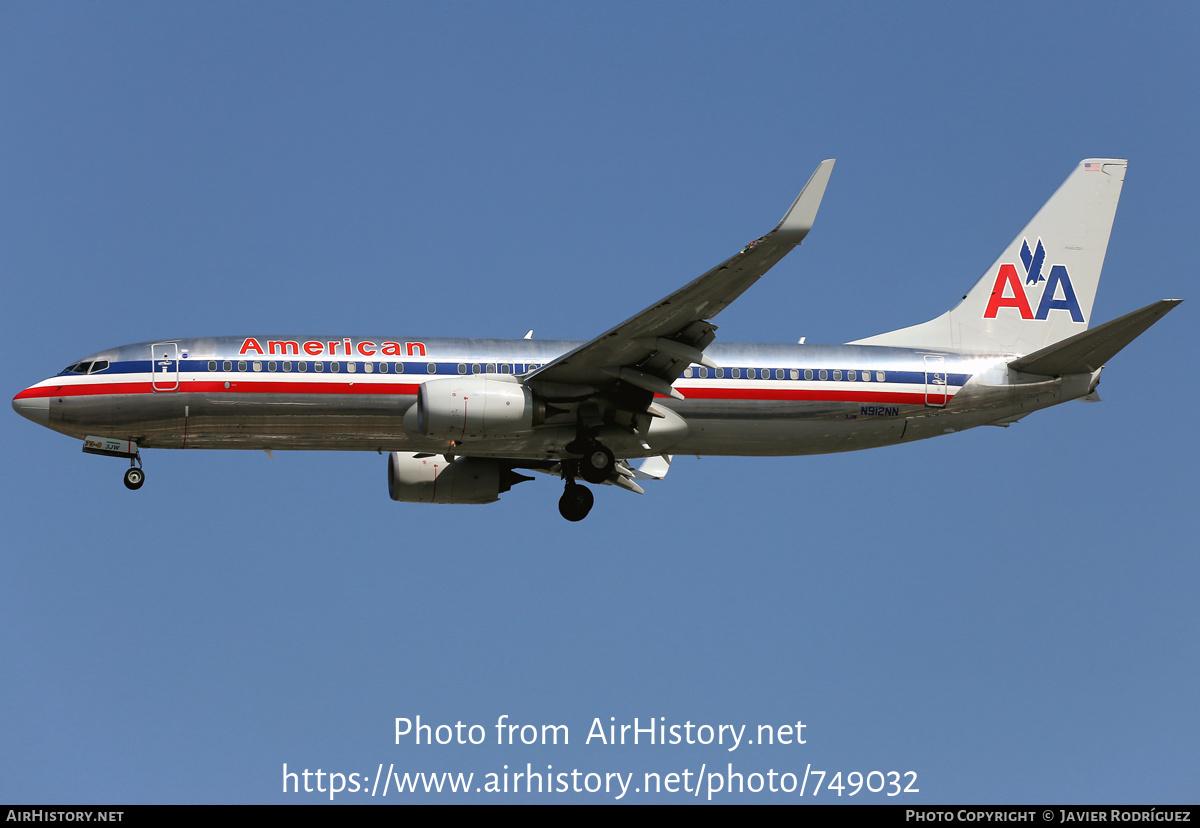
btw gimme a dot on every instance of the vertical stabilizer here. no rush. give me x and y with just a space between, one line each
1042 287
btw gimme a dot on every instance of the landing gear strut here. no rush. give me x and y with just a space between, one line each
575 502
134 475
595 466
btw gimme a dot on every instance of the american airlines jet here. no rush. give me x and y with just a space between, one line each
462 418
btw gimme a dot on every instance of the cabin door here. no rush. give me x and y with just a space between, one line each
164 363
935 381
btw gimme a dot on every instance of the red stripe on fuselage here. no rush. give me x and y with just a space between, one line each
803 394
410 389
206 387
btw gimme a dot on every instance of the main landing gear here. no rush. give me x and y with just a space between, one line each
596 465
597 462
575 502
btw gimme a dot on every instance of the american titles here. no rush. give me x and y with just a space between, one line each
330 347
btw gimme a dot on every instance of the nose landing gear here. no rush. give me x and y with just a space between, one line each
134 478
112 447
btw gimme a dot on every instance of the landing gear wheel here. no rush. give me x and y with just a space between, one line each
575 502
134 478
597 464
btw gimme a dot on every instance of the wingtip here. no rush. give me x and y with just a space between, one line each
798 220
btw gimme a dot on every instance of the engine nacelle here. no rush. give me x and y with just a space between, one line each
434 479
467 408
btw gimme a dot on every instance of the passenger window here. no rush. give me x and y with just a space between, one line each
880 376
778 373
368 367
302 367
318 367
212 365
351 367
475 368
226 366
687 372
335 366
287 367
462 367
837 375
257 365
736 373
431 368
866 376
703 372
505 368
271 366
852 375
795 373
719 373
808 373
823 374
491 368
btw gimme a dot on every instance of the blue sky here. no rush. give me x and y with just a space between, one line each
1010 613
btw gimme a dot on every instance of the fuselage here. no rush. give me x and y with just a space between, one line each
352 393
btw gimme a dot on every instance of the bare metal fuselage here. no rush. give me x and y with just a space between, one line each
216 393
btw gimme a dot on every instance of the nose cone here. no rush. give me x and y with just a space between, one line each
32 408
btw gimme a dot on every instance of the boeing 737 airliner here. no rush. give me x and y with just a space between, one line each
460 417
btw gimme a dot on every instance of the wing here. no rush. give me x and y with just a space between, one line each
646 353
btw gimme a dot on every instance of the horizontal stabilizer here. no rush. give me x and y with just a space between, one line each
1086 352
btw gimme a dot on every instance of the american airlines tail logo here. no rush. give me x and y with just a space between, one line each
1059 281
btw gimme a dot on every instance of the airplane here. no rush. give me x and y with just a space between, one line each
459 417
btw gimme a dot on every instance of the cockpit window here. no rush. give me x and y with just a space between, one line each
86 367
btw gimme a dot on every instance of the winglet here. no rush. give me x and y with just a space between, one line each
800 216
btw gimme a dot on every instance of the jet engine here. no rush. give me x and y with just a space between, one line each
476 408
416 478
